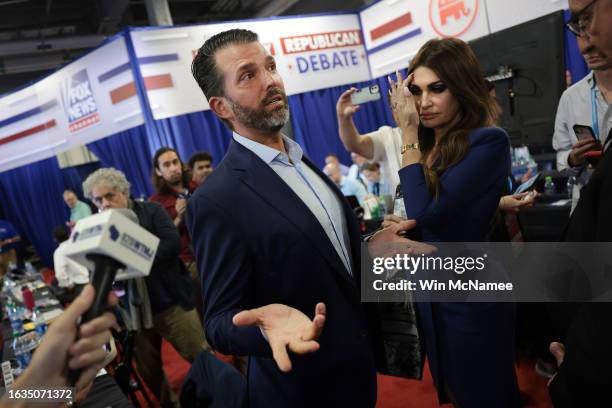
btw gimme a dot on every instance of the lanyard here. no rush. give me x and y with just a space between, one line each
594 114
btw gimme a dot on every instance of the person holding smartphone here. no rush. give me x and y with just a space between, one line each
381 146
583 115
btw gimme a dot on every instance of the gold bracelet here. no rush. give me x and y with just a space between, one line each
411 146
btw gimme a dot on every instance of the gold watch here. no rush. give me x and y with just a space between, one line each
411 146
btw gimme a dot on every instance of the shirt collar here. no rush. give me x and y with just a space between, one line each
268 154
590 79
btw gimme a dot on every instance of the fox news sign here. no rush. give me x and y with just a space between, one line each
79 102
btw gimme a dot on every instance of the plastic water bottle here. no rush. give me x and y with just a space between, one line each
374 210
15 317
22 354
549 186
40 323
17 326
382 208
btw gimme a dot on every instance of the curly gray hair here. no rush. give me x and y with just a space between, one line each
109 176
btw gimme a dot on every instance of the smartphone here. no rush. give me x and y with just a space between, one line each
584 132
527 185
366 94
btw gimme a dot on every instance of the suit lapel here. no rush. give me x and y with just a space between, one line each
265 183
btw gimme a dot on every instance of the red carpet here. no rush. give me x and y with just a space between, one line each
395 392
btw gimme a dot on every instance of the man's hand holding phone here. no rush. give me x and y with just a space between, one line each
576 156
586 142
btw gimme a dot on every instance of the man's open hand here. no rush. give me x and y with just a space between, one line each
285 328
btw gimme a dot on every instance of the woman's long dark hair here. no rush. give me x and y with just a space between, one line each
455 64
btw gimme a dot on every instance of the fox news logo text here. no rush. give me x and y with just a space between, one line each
79 103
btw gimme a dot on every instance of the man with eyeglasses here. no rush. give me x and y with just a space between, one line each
169 288
584 378
588 102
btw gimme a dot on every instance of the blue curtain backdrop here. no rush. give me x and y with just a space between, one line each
129 152
32 202
86 169
191 133
72 181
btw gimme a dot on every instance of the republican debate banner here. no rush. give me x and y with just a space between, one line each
310 52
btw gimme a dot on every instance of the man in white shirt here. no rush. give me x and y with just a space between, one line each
69 274
587 102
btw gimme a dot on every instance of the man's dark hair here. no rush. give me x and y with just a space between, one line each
161 186
203 67
199 156
370 166
61 233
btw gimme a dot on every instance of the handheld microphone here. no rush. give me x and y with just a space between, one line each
112 246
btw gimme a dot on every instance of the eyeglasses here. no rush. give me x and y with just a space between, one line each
108 197
580 22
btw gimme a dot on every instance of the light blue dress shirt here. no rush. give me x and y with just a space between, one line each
351 187
310 188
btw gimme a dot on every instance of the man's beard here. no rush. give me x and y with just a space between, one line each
259 118
174 181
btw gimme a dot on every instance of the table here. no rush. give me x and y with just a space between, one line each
545 222
104 393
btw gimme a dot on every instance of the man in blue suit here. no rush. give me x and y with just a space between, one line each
277 245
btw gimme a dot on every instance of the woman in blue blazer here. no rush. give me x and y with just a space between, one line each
454 169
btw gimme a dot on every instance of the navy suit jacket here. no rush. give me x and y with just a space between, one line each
257 243
584 380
